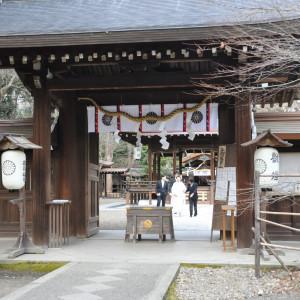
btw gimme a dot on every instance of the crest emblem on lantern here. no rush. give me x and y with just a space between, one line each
260 165
8 167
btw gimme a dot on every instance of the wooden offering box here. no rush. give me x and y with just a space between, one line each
149 220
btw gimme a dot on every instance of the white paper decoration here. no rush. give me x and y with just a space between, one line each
13 165
137 153
266 162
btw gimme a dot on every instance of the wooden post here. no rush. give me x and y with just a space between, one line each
105 186
174 162
41 167
212 176
149 165
100 185
154 167
73 164
257 224
244 172
120 183
180 162
158 166
212 165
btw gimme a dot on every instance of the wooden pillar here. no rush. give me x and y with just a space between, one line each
158 166
174 162
101 186
149 165
180 162
154 167
41 173
244 173
227 124
212 165
120 183
212 176
105 186
74 159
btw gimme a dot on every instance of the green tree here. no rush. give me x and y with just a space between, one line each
15 99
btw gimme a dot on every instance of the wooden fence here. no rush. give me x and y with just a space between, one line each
259 239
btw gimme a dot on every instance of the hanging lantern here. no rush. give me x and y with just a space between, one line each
266 162
13 165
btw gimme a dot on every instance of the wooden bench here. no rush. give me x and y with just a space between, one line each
149 220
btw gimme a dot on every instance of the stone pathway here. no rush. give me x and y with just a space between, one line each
93 281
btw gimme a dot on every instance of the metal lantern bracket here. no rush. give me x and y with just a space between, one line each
23 244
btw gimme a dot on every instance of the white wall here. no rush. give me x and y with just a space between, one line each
289 164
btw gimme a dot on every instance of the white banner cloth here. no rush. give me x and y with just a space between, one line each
174 124
91 118
198 118
126 125
151 125
107 123
214 120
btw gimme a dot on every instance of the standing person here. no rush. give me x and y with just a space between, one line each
178 195
172 181
161 190
193 196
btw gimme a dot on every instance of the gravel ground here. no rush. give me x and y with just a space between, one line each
236 283
12 280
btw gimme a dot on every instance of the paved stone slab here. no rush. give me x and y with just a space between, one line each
101 281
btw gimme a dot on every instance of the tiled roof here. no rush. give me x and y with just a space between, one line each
48 17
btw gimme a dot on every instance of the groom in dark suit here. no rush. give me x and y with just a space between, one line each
161 190
193 196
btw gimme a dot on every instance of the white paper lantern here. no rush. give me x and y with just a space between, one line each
266 162
13 165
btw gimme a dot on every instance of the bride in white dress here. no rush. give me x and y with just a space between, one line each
178 195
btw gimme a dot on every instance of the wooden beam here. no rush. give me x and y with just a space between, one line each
272 100
41 174
292 97
125 82
281 100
